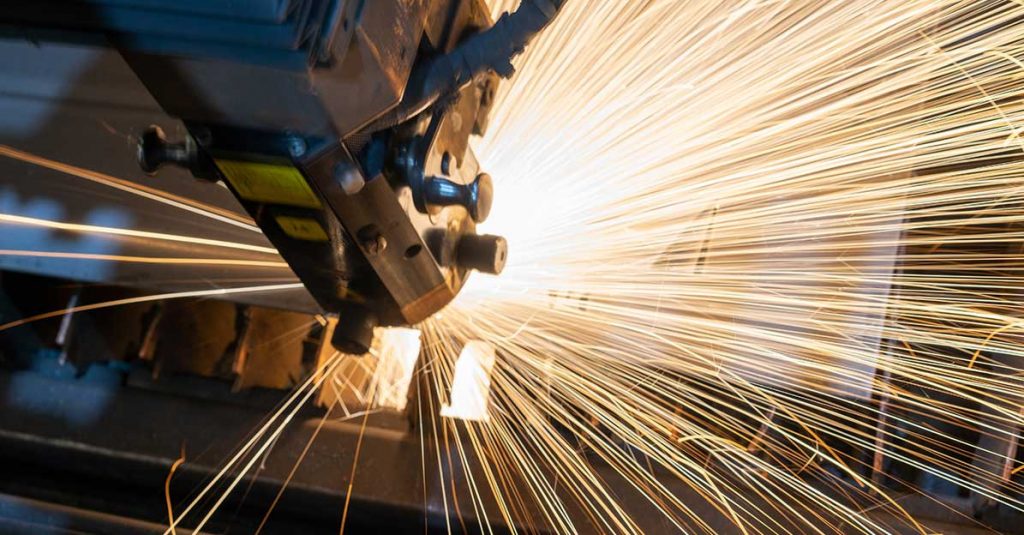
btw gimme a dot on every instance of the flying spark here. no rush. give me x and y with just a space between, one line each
759 248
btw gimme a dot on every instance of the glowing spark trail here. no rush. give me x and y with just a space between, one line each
95 229
143 259
215 292
753 245
189 205
764 254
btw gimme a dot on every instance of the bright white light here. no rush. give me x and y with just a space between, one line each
399 350
472 384
380 379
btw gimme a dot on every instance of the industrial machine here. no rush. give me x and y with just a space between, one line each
342 127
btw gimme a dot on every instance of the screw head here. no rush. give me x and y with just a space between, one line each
296 147
375 245
371 239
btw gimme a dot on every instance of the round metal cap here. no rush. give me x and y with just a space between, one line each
483 196
354 333
486 253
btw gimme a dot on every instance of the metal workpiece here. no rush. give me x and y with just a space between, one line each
111 456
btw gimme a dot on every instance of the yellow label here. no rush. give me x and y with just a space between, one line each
301 228
269 183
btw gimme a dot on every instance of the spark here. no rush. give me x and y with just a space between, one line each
143 259
743 233
215 292
727 215
257 444
471 384
162 236
189 205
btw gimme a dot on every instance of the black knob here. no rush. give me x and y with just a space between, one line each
354 332
154 151
475 197
484 253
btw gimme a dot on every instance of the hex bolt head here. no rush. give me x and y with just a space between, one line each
371 240
296 147
375 246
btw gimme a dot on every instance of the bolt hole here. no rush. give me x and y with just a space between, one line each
413 250
344 24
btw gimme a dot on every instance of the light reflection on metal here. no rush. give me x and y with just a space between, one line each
472 385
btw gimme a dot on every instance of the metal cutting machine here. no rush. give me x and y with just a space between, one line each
341 126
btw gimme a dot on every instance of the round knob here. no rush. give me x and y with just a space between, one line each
153 151
484 253
475 197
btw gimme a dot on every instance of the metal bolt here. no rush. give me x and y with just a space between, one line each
350 178
475 197
375 245
296 147
371 239
484 253
153 151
